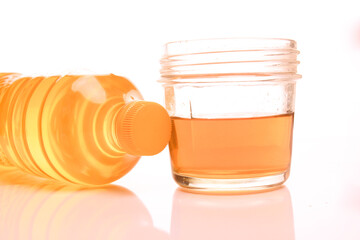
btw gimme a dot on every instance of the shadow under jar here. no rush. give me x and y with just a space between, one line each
232 107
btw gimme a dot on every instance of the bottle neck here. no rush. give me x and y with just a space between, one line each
105 127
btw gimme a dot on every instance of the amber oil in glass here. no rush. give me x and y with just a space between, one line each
233 148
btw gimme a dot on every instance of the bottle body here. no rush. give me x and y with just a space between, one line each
63 127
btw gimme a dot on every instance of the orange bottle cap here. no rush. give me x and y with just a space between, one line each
144 128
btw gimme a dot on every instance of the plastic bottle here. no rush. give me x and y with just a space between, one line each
85 129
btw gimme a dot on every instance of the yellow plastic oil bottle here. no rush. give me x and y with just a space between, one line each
85 129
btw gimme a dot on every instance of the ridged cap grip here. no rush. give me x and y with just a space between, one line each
143 128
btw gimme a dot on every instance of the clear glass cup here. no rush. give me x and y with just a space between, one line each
232 106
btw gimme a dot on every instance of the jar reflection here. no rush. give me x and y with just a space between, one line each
33 208
266 215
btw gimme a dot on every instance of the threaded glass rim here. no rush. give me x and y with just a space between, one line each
260 58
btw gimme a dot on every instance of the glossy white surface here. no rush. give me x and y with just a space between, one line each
321 200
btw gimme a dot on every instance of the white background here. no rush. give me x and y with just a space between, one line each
126 38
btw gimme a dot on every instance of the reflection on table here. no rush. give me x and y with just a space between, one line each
259 216
33 208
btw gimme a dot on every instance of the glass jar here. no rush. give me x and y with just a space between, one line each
232 107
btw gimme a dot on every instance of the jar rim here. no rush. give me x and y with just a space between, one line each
234 43
215 57
230 38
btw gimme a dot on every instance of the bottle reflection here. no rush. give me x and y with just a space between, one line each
266 215
33 208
